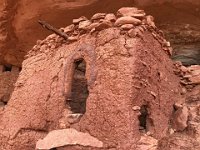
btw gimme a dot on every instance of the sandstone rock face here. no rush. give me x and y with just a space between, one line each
99 77
19 29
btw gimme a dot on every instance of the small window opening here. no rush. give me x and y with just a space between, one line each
7 68
79 90
20 69
143 117
2 103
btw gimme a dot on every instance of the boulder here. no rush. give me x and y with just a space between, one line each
180 119
64 137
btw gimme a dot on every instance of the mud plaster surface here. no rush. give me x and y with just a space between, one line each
121 72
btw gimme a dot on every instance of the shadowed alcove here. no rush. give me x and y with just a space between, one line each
79 89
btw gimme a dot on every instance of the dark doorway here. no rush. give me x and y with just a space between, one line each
79 90
143 117
7 68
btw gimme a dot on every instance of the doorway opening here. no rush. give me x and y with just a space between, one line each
79 89
143 117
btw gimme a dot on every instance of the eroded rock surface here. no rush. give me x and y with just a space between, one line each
19 29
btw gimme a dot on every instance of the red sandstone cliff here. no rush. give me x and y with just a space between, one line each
19 29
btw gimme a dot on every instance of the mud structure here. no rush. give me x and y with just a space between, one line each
8 76
112 79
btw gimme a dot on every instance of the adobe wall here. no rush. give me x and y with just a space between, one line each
126 67
7 81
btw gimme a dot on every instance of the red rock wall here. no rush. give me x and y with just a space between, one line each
7 81
19 29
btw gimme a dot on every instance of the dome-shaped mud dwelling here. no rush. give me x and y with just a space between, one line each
105 85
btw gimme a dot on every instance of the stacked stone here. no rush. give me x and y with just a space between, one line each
131 21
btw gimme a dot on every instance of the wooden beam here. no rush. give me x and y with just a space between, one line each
51 28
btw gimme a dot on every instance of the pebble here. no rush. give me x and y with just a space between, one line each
73 38
148 133
74 118
171 131
135 108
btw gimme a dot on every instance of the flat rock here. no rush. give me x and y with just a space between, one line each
131 11
69 28
84 25
147 143
127 20
65 137
127 26
73 38
82 18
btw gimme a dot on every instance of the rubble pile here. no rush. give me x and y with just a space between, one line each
132 22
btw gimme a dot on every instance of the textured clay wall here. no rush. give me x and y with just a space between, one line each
7 81
128 73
